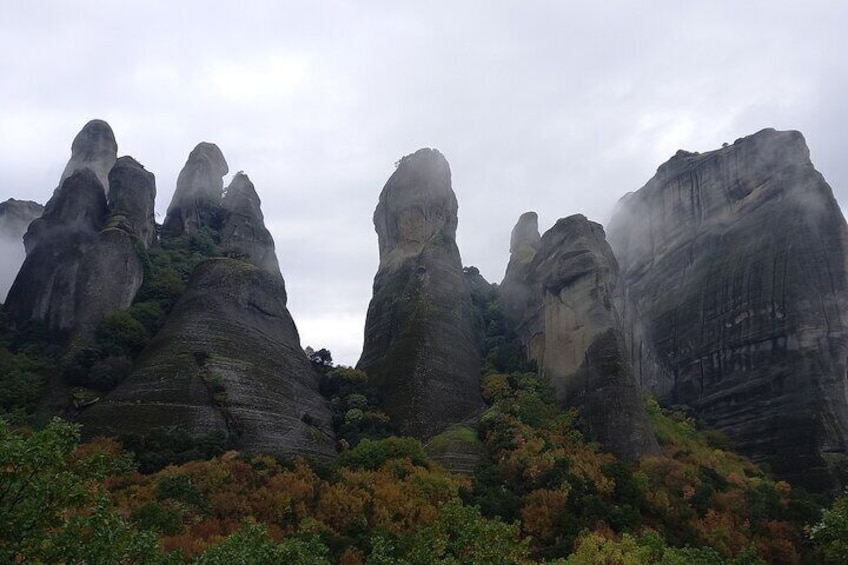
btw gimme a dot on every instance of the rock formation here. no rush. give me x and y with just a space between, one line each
81 261
558 292
522 302
734 295
132 198
93 148
422 332
197 199
243 233
228 359
15 217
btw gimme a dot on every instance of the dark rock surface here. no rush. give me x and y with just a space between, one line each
132 197
15 217
558 291
243 233
75 272
734 285
200 187
81 262
228 359
93 148
422 332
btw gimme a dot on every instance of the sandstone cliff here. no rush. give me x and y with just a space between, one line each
734 283
558 293
422 332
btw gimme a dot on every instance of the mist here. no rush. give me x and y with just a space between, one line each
12 256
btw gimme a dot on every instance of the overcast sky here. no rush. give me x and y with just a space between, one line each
559 107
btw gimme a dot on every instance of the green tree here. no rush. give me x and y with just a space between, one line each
53 508
830 534
252 544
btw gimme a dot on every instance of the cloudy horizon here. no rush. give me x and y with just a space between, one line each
556 107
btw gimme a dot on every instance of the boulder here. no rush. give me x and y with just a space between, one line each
422 332
734 288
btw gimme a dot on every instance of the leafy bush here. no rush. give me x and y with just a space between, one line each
371 454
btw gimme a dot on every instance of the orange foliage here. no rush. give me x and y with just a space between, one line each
541 513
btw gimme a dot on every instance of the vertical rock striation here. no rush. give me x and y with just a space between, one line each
558 292
734 284
422 332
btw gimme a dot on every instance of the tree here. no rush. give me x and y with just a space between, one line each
52 506
830 534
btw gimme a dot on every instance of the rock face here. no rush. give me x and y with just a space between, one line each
243 233
15 217
558 292
522 301
75 272
228 359
734 295
81 261
93 148
200 186
132 198
422 332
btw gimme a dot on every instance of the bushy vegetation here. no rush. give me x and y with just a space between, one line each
122 335
355 405
28 356
542 492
